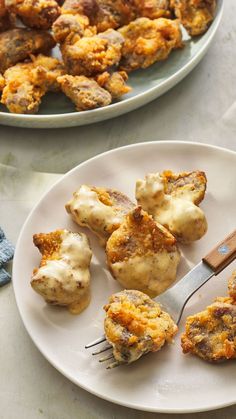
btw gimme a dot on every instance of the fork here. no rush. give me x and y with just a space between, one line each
174 299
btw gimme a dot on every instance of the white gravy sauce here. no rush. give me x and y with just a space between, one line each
180 215
72 265
88 210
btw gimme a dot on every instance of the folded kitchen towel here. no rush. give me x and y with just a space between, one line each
6 254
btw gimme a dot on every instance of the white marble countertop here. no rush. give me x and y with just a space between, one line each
201 108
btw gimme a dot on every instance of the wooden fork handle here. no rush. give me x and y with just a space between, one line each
223 254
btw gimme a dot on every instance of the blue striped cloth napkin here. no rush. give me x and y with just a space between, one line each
6 254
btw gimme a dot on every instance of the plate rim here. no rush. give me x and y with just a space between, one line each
35 340
116 109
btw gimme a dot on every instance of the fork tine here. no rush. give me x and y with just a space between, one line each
102 350
113 365
105 358
96 342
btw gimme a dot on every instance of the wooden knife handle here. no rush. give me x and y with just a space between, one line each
223 254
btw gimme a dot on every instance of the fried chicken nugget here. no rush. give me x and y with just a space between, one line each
39 14
148 41
63 276
172 200
114 83
142 254
92 54
187 185
102 210
27 83
135 325
20 94
46 71
195 15
104 14
211 334
85 93
68 25
18 44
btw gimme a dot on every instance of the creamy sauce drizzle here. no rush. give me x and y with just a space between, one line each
88 210
70 272
180 215
152 274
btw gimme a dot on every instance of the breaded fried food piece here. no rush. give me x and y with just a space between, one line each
5 20
232 286
211 334
85 93
92 54
114 83
18 44
46 71
68 25
63 276
172 200
153 9
148 41
135 325
20 94
187 185
27 83
195 15
102 210
2 82
39 14
104 14
142 254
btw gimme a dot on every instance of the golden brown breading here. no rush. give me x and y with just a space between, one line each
153 9
2 82
148 41
18 44
20 94
63 276
232 286
26 83
114 83
100 209
92 54
104 14
211 334
170 198
48 245
46 72
135 325
39 14
195 15
189 185
68 25
142 254
85 93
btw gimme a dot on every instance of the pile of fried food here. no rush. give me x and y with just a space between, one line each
141 244
100 41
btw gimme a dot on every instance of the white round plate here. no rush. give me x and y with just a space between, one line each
57 111
166 381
